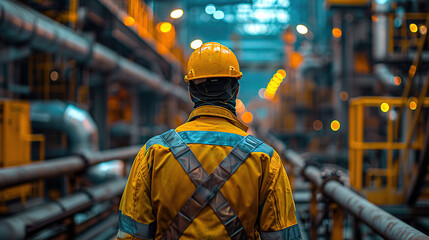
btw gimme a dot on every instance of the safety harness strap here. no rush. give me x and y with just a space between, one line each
208 187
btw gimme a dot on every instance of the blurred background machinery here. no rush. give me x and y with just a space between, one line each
83 85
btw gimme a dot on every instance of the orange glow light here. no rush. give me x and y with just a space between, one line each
344 96
413 105
279 76
282 72
317 125
267 95
336 32
374 18
412 70
129 21
423 29
384 107
165 27
238 104
247 117
276 80
397 80
295 59
413 27
335 125
274 84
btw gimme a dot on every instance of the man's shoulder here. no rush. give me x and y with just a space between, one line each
265 148
156 140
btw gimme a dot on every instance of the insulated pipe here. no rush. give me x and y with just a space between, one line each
31 220
12 176
77 123
380 221
20 24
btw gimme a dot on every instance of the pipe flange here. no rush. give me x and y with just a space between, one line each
86 157
331 176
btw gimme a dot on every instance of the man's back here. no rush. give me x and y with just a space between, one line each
258 191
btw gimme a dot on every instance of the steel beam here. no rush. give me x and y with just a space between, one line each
12 176
20 24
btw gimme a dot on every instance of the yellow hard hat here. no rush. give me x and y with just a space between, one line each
212 59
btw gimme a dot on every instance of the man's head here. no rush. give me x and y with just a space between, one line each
213 74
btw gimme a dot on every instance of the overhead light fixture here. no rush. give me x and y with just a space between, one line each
301 29
176 13
219 15
196 43
129 21
210 9
335 125
165 27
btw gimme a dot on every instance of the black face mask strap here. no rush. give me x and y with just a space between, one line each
202 88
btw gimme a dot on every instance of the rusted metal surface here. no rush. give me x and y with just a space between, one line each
377 219
22 224
12 176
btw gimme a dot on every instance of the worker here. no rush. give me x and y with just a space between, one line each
208 178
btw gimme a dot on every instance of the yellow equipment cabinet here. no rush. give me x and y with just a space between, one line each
15 147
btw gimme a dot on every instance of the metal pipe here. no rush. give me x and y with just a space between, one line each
380 221
21 24
81 129
12 176
31 220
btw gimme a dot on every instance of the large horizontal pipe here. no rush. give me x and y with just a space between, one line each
33 219
21 24
380 221
12 176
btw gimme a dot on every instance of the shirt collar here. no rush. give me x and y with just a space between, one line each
216 111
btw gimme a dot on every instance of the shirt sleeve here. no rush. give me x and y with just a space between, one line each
277 216
136 218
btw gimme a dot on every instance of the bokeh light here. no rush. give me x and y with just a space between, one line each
196 43
397 80
165 27
301 29
129 21
384 107
247 117
413 105
413 27
317 125
335 125
344 96
176 13
210 9
219 15
282 72
336 32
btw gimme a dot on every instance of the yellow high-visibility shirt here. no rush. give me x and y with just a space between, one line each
158 186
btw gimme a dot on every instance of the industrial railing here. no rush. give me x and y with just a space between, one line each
13 176
377 219
29 222
390 192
